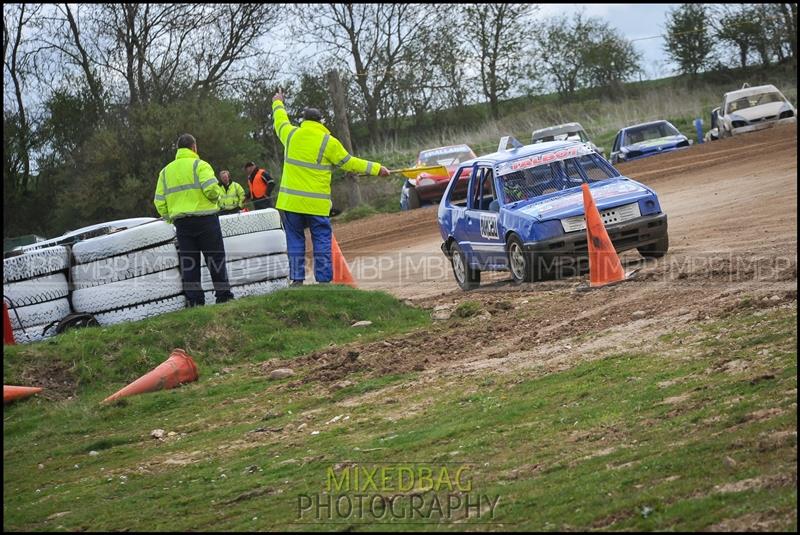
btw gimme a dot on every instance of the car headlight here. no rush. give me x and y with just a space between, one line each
786 114
425 181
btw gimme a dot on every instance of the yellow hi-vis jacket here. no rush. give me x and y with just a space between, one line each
232 197
310 154
186 187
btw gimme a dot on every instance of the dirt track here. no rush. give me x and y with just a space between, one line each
737 195
733 232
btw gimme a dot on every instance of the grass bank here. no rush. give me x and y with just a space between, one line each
699 432
281 325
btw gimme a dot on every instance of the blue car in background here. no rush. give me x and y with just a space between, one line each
647 139
524 212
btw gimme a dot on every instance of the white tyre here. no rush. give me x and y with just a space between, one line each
132 239
40 313
128 292
125 266
34 333
35 263
38 290
262 243
142 311
247 270
249 222
256 288
119 224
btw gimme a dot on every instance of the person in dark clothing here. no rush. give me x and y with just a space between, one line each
261 186
187 193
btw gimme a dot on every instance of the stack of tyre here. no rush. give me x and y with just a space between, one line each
36 290
255 254
128 275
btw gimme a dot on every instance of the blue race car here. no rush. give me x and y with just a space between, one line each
647 139
524 212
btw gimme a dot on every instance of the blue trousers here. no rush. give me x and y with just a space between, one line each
295 225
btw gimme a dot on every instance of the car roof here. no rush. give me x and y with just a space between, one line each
560 129
747 91
520 152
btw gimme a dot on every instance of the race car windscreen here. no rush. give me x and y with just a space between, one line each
648 132
754 100
549 178
564 136
449 158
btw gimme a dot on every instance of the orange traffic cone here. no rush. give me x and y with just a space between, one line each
604 265
341 271
10 393
8 332
179 368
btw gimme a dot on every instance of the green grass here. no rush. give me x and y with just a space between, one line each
281 325
629 441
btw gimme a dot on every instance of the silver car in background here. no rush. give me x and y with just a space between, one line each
565 132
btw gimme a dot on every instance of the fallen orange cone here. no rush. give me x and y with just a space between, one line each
341 271
604 265
11 393
179 368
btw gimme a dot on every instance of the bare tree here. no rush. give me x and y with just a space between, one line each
17 62
498 41
159 51
374 37
230 40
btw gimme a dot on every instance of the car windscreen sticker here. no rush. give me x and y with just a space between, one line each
446 150
489 226
656 142
618 187
541 159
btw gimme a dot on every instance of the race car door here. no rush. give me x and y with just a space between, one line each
482 220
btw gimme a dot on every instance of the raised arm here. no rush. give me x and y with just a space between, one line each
281 119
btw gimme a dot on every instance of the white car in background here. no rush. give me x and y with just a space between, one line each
753 108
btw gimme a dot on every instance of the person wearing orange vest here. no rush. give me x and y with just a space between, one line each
261 185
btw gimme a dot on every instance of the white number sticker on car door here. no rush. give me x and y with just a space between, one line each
489 226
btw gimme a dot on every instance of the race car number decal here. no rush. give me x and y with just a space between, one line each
489 226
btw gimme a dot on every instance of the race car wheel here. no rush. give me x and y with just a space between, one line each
655 250
519 261
467 278
413 199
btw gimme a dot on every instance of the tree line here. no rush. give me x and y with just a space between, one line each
96 94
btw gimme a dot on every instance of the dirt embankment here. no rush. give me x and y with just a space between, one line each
733 232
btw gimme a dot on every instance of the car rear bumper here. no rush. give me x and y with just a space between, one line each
628 235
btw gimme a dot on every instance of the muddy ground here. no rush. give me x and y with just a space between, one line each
733 231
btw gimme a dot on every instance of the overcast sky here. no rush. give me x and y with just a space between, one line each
634 21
